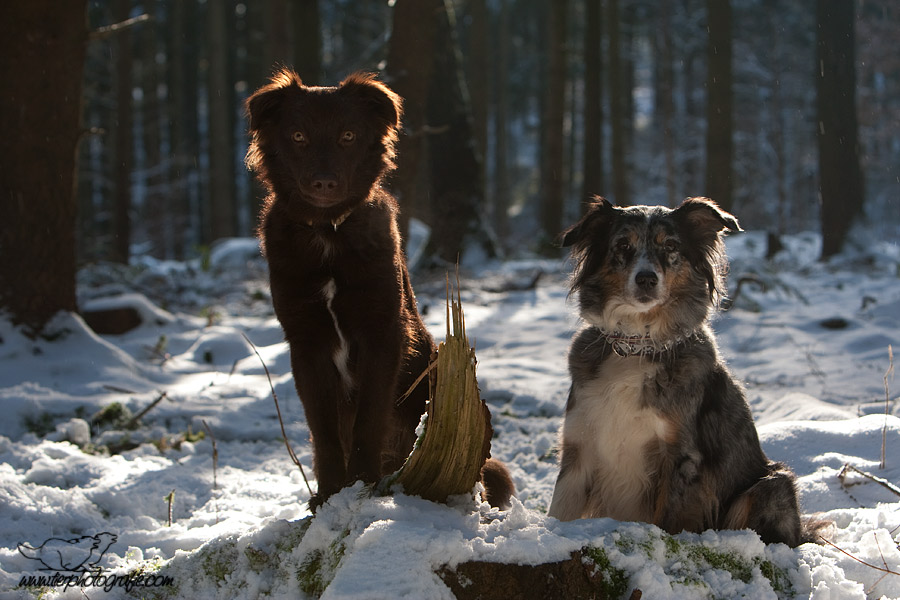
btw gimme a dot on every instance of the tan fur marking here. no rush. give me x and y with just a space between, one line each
738 516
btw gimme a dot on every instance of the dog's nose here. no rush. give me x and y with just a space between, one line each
646 279
325 183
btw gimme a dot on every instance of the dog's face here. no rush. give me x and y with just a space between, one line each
324 146
649 270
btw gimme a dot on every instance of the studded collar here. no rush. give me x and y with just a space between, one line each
641 345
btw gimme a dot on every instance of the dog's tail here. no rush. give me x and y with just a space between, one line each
498 484
816 530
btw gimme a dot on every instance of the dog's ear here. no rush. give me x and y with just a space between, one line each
600 212
704 218
263 105
378 97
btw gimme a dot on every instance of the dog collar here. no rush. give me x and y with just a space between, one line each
336 222
639 345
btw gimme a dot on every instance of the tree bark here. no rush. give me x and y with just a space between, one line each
571 578
181 77
665 97
158 224
124 138
501 199
42 52
221 214
307 30
840 175
552 159
409 65
719 101
592 166
457 192
617 100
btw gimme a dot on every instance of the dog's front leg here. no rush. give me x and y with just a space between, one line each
321 392
378 366
685 496
573 485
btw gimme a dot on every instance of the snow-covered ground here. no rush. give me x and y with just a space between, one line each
810 341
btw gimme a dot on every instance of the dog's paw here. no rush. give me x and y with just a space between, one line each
315 501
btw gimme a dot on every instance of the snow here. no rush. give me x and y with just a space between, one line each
809 339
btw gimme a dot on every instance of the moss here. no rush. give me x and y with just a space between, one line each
318 569
257 559
686 561
697 557
614 580
40 425
113 416
218 561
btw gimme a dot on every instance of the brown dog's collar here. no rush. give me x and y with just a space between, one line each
640 345
336 222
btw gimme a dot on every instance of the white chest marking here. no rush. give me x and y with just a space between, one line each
341 354
612 429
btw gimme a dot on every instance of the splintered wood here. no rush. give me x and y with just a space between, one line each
456 440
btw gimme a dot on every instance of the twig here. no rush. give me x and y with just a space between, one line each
287 443
842 551
170 498
117 389
418 380
215 455
134 421
883 561
879 480
887 402
109 30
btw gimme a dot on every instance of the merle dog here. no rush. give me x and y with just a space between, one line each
656 428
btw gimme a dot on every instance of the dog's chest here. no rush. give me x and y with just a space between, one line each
340 355
614 425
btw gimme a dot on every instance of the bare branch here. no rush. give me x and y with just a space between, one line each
862 562
133 422
887 403
287 442
101 33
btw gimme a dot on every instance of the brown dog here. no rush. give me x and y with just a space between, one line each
339 281
656 428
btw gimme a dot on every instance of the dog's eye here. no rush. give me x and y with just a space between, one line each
299 137
671 246
623 245
348 137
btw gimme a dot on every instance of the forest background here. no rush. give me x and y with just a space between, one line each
123 131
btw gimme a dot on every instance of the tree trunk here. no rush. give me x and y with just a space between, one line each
457 192
479 68
501 198
409 65
124 138
307 30
552 161
221 210
158 225
576 577
840 175
592 166
665 97
617 100
719 99
181 77
42 52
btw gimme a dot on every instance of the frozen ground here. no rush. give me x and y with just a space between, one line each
810 340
